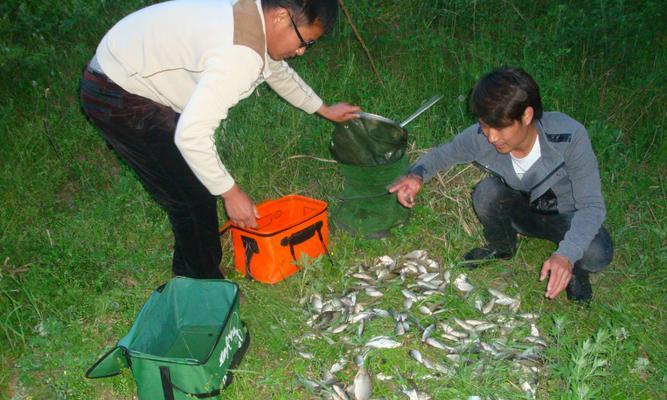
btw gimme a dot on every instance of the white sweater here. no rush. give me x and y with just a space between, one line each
199 57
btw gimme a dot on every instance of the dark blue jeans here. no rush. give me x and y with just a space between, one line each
504 212
141 132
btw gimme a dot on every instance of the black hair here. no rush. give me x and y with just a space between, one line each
500 97
307 12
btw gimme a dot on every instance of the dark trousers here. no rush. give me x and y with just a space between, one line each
141 132
504 212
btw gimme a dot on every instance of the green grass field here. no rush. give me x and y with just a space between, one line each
82 245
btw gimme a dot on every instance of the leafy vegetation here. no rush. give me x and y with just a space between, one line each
82 245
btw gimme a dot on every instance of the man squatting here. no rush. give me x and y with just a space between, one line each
164 77
544 181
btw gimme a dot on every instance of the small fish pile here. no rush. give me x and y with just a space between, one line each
422 319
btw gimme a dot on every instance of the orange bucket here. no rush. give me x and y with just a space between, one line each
288 228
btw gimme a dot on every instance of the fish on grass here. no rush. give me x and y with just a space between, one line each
383 342
363 387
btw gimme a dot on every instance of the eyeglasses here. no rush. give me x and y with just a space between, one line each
304 44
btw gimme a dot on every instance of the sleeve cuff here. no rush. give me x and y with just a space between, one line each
312 104
418 170
569 251
221 187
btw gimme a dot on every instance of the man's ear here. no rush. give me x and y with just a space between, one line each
276 15
527 117
281 14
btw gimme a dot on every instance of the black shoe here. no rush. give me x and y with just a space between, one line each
579 289
472 258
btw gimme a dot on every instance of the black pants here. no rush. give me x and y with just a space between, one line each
141 132
504 212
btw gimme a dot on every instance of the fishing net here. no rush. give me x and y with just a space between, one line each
371 155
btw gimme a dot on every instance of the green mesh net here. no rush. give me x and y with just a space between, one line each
371 155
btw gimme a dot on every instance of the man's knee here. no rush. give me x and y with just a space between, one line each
489 195
599 254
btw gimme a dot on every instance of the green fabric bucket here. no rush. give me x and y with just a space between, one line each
370 151
183 343
365 206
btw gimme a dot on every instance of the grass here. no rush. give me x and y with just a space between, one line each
82 245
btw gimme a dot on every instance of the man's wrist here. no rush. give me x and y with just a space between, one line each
417 171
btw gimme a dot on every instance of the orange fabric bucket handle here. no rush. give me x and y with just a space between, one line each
302 236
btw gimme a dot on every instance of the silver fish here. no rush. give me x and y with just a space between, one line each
528 389
448 276
504 299
484 327
450 337
407 303
474 322
409 295
425 310
437 344
409 270
534 331
432 265
307 356
373 292
427 332
362 385
489 306
416 355
360 328
328 340
479 304
338 366
428 276
338 329
381 313
316 302
385 261
338 391
307 336
360 359
416 255
414 394
360 316
536 340
399 329
385 275
462 284
463 325
488 348
350 300
383 377
451 331
383 342
363 276
422 285
328 379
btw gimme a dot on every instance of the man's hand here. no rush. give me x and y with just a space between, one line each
559 269
240 208
339 112
406 189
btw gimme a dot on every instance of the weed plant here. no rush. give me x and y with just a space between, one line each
82 245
